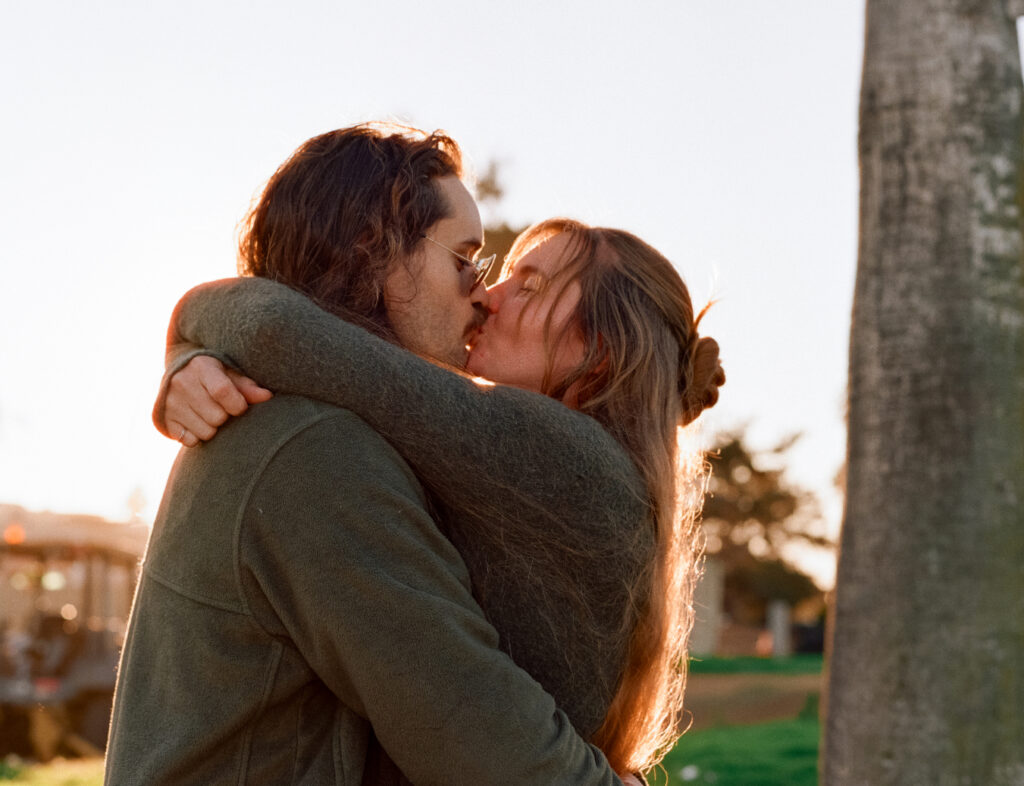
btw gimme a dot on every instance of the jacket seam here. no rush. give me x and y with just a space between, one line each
244 507
151 573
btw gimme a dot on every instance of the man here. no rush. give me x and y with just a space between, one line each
299 612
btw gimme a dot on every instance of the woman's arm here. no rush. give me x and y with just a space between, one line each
466 439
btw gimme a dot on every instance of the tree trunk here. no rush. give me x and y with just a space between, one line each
926 682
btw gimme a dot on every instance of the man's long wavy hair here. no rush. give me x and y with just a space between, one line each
344 208
644 376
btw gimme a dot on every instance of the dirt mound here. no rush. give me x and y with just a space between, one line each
729 699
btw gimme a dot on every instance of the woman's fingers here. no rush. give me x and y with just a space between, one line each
182 434
203 395
190 406
222 396
250 390
180 416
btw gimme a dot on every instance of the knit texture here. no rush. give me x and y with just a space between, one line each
295 592
526 488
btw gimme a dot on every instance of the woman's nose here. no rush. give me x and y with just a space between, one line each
495 294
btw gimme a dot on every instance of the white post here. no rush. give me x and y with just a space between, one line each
779 627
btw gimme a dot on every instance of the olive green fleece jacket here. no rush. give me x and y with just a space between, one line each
294 593
531 492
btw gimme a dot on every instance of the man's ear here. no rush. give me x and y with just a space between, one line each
399 286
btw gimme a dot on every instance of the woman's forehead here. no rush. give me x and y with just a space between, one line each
549 256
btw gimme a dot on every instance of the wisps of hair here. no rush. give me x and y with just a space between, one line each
344 208
643 377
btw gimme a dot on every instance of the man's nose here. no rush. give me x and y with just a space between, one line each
481 298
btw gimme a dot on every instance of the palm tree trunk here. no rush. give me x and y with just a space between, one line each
926 682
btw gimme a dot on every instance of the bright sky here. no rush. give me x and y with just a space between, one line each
135 134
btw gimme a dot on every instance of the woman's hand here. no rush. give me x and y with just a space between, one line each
633 780
203 395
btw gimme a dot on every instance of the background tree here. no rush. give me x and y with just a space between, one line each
926 681
498 235
752 517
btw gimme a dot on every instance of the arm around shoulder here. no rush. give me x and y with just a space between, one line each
441 421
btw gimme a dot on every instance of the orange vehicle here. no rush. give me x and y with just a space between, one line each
66 585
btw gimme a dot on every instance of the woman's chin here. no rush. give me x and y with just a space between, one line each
475 364
480 365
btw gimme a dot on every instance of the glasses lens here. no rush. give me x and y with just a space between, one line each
483 267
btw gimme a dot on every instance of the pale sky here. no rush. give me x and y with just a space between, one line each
135 134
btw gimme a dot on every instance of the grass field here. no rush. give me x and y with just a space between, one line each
755 724
795 664
780 753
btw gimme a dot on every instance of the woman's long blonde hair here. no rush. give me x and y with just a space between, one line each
644 376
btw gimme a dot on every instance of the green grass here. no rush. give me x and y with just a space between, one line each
795 664
782 753
81 772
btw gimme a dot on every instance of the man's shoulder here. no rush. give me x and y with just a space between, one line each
288 413
335 489
323 439
267 427
289 440
289 463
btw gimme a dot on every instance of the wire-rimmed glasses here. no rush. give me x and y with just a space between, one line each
480 267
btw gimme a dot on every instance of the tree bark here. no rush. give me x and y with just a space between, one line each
926 674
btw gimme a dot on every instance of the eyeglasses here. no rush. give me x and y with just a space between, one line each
480 267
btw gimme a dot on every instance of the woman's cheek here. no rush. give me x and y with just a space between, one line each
475 364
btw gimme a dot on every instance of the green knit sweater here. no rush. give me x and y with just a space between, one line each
296 598
530 492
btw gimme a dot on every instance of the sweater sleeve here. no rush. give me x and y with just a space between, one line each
470 441
338 550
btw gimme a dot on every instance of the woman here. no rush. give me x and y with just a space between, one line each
584 563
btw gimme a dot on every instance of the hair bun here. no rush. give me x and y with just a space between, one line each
706 375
